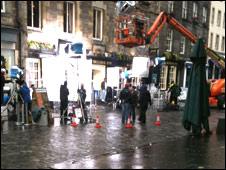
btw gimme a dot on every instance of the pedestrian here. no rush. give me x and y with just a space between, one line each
134 101
2 85
144 100
103 90
174 91
64 92
25 93
82 95
125 97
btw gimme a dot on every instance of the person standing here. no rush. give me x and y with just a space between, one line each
144 100
125 97
174 93
134 101
25 93
64 92
103 89
82 95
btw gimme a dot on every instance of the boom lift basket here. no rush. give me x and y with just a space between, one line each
130 30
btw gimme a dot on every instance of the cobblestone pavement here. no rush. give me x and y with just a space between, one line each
75 147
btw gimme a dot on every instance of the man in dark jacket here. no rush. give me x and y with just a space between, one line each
64 100
82 95
134 101
144 100
125 97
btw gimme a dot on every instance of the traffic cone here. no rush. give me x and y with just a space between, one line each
73 123
128 124
97 122
157 122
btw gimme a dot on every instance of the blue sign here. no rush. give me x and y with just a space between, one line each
77 48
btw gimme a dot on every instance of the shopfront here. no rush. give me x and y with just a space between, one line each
9 39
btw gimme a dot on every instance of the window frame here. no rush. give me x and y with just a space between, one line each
169 39
211 40
217 42
223 44
163 77
224 21
219 18
184 9
170 6
67 18
172 73
182 41
204 14
3 7
195 10
101 24
212 15
32 20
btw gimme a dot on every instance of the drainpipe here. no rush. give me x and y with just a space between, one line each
19 28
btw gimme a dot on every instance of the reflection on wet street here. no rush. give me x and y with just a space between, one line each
112 146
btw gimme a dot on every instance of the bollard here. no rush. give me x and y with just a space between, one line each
26 113
18 114
22 115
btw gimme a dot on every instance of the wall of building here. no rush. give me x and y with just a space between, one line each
199 29
213 28
13 33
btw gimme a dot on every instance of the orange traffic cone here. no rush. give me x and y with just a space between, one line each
73 123
128 124
97 122
157 122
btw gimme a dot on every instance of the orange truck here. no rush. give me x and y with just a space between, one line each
132 31
217 93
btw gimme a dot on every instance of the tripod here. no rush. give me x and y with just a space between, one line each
14 98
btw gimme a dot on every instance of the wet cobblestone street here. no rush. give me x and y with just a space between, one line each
112 146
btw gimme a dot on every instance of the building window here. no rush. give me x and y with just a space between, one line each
163 77
217 43
184 9
172 73
34 14
211 40
223 44
97 23
2 6
219 18
170 6
195 10
169 40
224 21
33 73
182 45
212 16
68 17
204 15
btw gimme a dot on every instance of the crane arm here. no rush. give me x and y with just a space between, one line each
163 18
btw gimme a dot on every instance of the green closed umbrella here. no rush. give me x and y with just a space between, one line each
197 110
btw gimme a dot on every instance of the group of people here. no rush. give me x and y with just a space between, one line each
131 98
64 93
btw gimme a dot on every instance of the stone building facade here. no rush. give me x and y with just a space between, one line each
194 15
216 39
13 33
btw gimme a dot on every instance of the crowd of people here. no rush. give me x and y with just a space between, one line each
131 98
